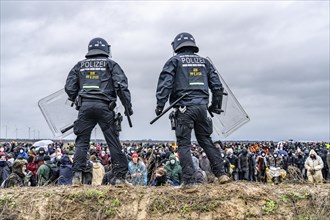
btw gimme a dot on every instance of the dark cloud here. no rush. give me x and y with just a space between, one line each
273 55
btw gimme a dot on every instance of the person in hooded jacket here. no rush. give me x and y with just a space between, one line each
285 161
262 163
10 160
300 162
314 166
306 154
173 171
41 153
58 156
52 154
98 171
233 160
199 175
291 159
243 165
44 172
226 164
275 160
2 150
22 154
4 168
33 168
204 164
252 167
18 177
66 173
104 157
323 155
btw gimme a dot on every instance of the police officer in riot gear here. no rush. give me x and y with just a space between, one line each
187 72
93 84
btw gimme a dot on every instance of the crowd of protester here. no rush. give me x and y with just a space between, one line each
22 164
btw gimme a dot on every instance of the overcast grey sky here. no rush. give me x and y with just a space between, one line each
274 55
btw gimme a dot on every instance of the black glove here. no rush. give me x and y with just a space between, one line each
215 109
71 99
216 103
130 111
159 110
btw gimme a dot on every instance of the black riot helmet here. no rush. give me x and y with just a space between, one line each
98 46
184 40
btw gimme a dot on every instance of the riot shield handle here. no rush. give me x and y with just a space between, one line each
168 108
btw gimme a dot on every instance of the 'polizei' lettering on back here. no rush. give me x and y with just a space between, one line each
192 61
93 64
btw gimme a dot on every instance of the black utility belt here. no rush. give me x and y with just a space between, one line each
95 100
111 104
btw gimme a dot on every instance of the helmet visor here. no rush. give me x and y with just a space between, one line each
96 52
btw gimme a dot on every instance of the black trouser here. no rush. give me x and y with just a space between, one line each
90 114
195 117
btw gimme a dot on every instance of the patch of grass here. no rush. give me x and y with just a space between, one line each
160 205
284 198
7 201
47 194
270 207
115 202
207 206
96 203
185 209
89 194
297 195
94 194
8 207
183 204
110 211
85 197
37 214
307 218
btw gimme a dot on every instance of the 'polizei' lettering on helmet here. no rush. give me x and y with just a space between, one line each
97 44
185 38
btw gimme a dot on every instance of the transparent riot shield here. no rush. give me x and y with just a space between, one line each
59 113
233 116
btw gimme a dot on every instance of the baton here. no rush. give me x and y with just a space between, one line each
125 105
66 129
168 108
